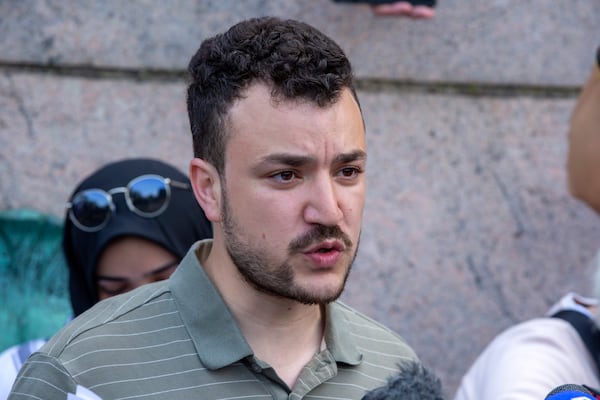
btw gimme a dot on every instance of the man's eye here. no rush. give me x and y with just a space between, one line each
285 176
349 172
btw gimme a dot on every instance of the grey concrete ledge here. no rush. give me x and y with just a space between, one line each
519 42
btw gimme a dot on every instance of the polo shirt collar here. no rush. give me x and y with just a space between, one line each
216 336
338 336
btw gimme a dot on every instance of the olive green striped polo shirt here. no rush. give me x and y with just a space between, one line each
176 339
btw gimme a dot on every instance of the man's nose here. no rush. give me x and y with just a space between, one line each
323 203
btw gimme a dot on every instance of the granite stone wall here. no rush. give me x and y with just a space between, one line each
469 226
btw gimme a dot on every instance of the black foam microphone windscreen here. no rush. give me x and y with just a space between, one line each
412 382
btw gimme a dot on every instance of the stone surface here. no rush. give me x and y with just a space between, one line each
516 42
55 131
469 227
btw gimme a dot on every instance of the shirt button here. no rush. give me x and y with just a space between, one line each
255 367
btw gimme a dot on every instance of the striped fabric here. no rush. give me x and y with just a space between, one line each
11 361
177 340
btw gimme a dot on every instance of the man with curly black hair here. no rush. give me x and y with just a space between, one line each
279 170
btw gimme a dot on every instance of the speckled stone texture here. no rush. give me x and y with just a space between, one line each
469 226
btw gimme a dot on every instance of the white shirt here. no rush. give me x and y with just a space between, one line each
11 361
528 360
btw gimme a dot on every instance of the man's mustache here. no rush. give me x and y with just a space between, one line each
318 234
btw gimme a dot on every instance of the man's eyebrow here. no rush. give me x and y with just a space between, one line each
344 158
292 160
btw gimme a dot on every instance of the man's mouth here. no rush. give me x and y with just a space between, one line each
326 246
325 254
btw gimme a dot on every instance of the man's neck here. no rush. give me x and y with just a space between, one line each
287 342
281 332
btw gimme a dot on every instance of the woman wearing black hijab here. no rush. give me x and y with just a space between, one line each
177 226
128 223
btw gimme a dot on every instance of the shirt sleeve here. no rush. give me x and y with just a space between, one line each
526 362
42 377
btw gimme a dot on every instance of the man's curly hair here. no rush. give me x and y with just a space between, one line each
296 61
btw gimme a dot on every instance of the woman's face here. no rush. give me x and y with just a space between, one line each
129 262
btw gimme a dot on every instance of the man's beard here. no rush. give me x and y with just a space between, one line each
278 280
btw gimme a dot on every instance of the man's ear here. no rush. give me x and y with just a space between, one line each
206 183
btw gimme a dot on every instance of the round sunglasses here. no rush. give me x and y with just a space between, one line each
147 196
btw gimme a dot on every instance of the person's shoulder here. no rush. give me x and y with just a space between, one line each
55 383
112 316
371 332
538 328
364 323
549 348
537 340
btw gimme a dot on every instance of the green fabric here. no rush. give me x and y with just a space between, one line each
34 298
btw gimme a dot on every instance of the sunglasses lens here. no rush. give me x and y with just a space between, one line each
149 195
91 208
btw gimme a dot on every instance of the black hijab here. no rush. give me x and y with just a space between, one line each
181 224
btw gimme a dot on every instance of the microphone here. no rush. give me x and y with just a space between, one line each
412 382
570 391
